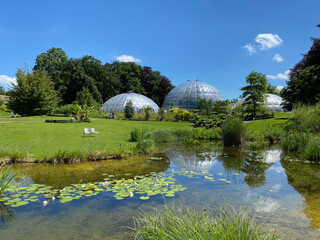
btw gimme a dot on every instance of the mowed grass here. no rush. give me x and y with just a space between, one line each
262 125
34 136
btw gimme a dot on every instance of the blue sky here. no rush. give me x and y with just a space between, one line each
219 42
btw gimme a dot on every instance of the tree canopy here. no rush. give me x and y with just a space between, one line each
254 93
72 75
304 82
33 94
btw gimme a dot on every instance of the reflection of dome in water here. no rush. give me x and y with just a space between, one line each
118 103
272 102
189 160
272 156
187 95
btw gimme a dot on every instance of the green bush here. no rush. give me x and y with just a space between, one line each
144 146
295 142
312 151
68 109
175 223
233 132
129 110
135 135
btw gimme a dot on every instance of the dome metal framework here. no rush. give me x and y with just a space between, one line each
118 103
272 102
187 95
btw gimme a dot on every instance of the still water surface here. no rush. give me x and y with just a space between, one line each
283 194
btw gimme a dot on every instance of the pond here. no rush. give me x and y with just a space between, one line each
97 200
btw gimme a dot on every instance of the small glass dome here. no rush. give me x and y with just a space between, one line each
118 103
187 95
272 102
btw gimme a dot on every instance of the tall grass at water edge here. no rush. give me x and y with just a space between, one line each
186 223
6 178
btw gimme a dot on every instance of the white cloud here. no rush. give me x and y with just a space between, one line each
277 58
281 76
250 48
268 40
128 58
7 81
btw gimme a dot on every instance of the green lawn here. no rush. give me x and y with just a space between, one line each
41 139
261 125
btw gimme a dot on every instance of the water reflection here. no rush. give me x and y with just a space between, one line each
189 160
6 213
305 178
253 163
61 175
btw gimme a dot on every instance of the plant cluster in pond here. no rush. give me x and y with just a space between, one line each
143 186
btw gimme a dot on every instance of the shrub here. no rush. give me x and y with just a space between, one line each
68 109
175 223
177 110
233 132
312 151
144 146
185 116
295 142
129 110
135 135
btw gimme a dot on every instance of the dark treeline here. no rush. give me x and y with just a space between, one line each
71 76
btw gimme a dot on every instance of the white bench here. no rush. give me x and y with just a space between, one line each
94 131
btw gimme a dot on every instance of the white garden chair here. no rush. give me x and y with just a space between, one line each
86 131
94 131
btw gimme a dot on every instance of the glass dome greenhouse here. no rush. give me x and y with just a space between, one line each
118 103
272 102
187 95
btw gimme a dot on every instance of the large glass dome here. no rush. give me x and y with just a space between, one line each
187 95
272 102
118 103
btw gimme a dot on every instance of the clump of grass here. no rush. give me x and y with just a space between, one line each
208 134
13 153
312 151
174 223
6 178
295 142
273 133
160 135
233 131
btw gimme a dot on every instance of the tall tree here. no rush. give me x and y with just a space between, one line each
53 62
129 74
254 93
304 83
33 94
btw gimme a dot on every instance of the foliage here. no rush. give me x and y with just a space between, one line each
186 223
312 151
304 88
303 85
177 110
68 109
6 178
254 93
129 110
209 121
144 146
147 111
2 91
185 116
305 119
33 94
233 131
85 97
295 142
272 89
135 135
82 113
160 135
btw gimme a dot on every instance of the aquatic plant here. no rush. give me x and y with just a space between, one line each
233 132
6 178
187 223
144 146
